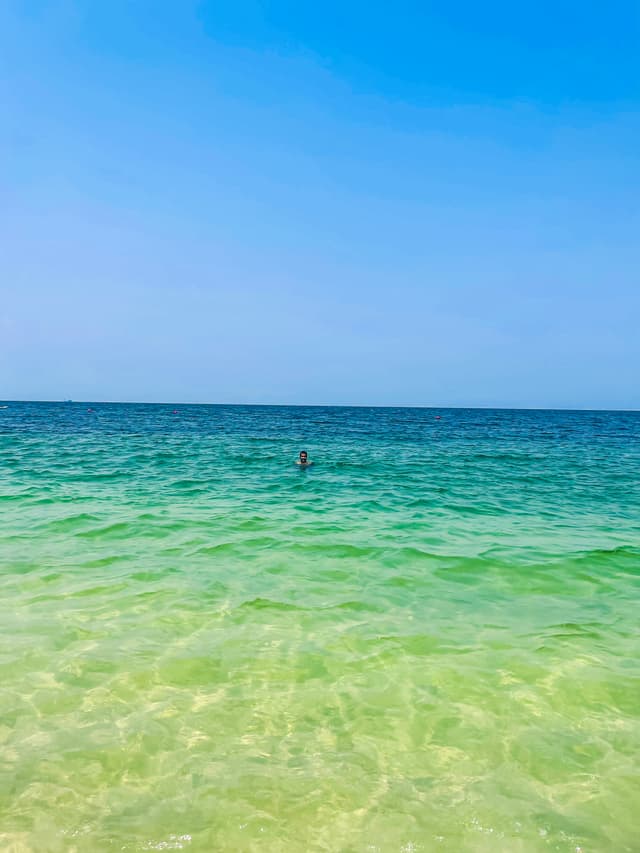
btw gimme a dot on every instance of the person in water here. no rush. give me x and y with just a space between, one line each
303 459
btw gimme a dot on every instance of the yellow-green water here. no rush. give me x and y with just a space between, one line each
426 642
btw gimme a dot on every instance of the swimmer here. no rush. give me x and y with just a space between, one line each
303 459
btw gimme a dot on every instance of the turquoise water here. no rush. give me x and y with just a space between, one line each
428 641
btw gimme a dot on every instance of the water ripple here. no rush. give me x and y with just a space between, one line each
428 641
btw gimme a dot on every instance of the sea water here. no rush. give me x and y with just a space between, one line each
427 641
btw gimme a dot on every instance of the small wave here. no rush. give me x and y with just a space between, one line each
624 558
188 483
606 553
355 606
244 545
572 630
411 552
192 492
100 476
25 495
339 550
269 604
118 529
109 560
253 523
72 522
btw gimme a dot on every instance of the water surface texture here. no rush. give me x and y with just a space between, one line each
426 642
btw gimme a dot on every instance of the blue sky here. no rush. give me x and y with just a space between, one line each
341 202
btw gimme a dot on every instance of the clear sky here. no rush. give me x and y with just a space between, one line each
331 202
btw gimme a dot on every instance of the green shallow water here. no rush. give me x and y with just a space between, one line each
426 642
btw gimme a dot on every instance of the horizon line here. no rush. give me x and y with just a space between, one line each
502 408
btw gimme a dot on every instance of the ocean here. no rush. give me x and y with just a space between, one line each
427 641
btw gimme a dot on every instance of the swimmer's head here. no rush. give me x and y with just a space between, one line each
303 455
